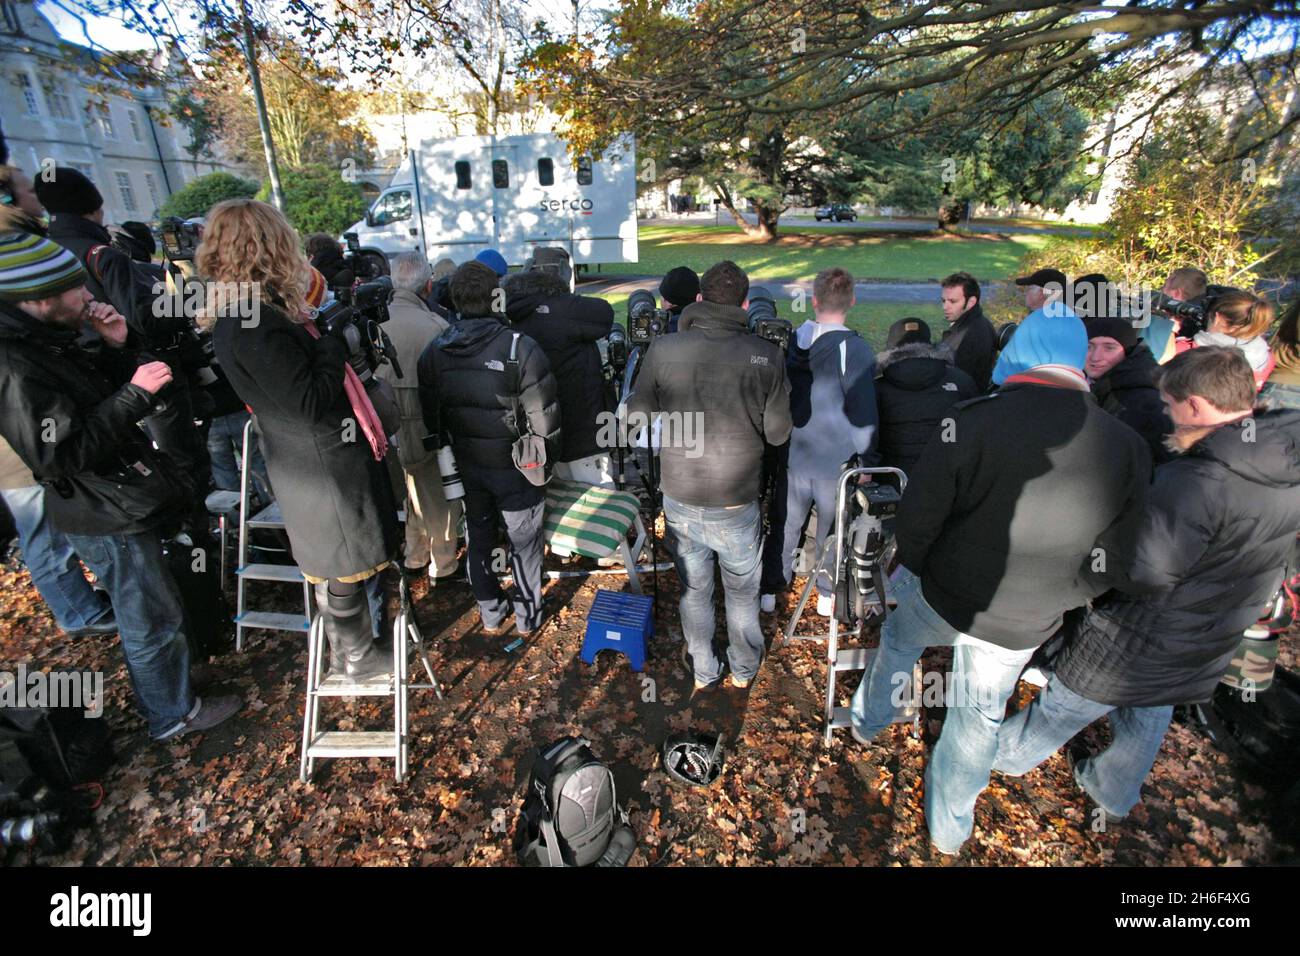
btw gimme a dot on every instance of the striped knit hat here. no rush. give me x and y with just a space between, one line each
34 268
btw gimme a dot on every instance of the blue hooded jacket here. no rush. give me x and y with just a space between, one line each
832 399
1043 340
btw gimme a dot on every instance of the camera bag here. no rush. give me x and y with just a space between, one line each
570 815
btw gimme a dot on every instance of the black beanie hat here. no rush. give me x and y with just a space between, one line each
907 331
680 286
68 191
1121 330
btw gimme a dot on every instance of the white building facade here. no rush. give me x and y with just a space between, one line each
53 113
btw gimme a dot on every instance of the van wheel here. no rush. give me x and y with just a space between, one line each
376 263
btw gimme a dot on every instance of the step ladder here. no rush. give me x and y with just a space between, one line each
245 571
388 744
839 659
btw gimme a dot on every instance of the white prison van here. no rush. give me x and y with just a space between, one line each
452 198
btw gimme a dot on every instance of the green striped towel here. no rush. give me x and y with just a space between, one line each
587 519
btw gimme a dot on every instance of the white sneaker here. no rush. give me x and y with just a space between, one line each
767 604
1035 676
825 604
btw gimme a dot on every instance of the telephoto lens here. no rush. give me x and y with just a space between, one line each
640 302
617 349
762 306
451 483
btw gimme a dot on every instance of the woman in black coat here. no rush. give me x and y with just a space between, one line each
321 447
1122 370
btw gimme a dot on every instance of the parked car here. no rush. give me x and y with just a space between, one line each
836 213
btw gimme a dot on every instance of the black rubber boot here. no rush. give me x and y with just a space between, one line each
347 627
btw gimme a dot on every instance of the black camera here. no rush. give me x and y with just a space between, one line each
360 266
1194 315
617 349
356 315
763 320
644 321
179 238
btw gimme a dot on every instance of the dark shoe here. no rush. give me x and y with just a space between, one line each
105 625
347 627
207 714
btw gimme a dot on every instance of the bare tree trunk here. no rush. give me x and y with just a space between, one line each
768 216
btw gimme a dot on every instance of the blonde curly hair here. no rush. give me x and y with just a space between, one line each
246 241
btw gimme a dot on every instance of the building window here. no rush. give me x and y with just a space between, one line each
104 118
60 104
134 117
151 184
86 169
33 105
462 174
125 189
545 172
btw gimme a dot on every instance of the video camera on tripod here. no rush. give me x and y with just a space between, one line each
179 238
763 320
645 322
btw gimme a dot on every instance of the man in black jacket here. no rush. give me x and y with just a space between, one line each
721 394
917 387
1209 553
969 335
1003 512
153 330
567 327
68 415
475 394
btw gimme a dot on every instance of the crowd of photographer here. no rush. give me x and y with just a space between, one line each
1034 515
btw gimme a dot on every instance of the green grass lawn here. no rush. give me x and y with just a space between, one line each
801 254
872 320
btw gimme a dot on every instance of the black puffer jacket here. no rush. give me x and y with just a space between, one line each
917 387
337 500
52 386
1000 522
115 278
567 327
467 390
734 384
1128 392
1209 553
973 343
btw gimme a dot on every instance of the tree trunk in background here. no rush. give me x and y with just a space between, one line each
768 216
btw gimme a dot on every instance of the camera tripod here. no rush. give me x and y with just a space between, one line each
857 602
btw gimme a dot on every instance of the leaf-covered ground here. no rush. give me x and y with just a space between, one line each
232 796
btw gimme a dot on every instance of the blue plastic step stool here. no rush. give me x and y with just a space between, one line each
619 622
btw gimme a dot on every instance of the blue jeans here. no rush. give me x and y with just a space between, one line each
1113 778
225 447
49 557
801 493
983 678
149 621
732 535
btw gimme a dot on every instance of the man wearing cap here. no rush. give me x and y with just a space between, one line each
77 224
1004 511
969 336
916 388
66 413
1122 372
1045 293
678 289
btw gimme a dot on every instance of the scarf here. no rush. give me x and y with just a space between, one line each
361 404
1057 376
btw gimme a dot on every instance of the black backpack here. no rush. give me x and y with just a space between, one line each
570 814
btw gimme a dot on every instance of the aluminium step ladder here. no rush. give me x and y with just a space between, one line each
388 744
845 659
245 571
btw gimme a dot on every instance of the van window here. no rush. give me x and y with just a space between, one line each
584 170
500 174
391 207
545 172
462 174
